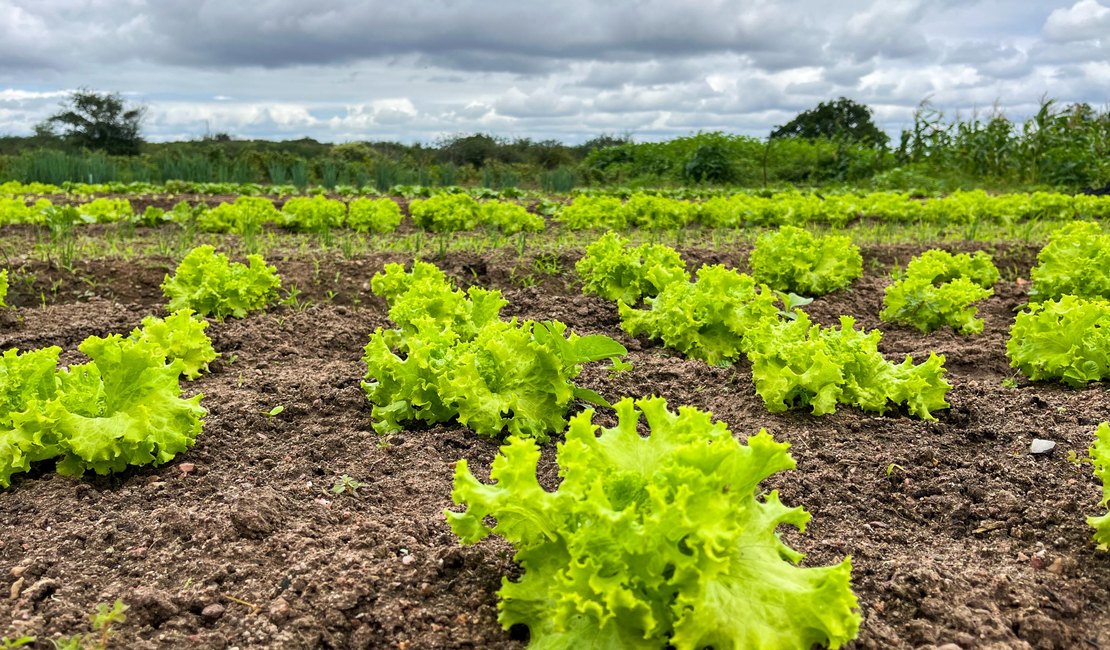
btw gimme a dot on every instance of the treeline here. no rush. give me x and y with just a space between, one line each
1063 147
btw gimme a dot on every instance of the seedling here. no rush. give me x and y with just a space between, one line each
274 412
346 484
102 621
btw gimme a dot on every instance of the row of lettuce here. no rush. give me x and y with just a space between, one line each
459 212
648 540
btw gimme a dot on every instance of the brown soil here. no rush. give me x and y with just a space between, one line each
957 534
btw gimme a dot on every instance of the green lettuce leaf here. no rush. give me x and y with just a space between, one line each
1076 261
122 408
654 541
938 289
796 364
27 382
615 270
1099 454
1066 339
209 284
706 319
794 259
179 336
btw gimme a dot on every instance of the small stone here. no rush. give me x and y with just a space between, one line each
186 468
407 560
213 612
280 609
1037 562
17 587
1039 446
949 646
1022 557
1057 566
18 571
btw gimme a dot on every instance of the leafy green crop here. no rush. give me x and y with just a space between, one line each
179 336
586 212
509 218
1067 339
249 214
796 363
445 213
658 213
615 270
106 210
707 319
209 284
3 287
373 215
1076 261
452 357
1100 458
27 383
657 541
122 408
793 259
317 214
938 289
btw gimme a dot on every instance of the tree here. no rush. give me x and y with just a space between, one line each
842 119
98 121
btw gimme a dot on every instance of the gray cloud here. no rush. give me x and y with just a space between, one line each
341 70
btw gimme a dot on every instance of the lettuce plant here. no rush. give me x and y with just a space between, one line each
3 287
509 218
657 212
444 213
615 270
1076 261
452 357
586 212
122 408
658 541
179 336
317 214
27 383
706 319
1100 457
794 259
373 215
938 289
1066 339
246 216
796 363
209 284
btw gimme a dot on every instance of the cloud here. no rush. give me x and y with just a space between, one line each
342 70
1085 20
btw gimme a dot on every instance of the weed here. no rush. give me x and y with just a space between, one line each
346 484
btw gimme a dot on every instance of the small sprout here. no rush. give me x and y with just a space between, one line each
1009 382
894 466
345 483
618 365
1076 459
274 412
790 302
19 642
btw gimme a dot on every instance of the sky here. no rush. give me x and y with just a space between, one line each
570 70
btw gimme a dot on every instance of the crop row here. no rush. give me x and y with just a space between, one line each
454 212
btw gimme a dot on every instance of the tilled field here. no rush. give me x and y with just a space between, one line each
958 534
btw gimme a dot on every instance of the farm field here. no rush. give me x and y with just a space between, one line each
957 533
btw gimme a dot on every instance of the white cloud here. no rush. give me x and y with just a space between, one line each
1085 20
342 70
